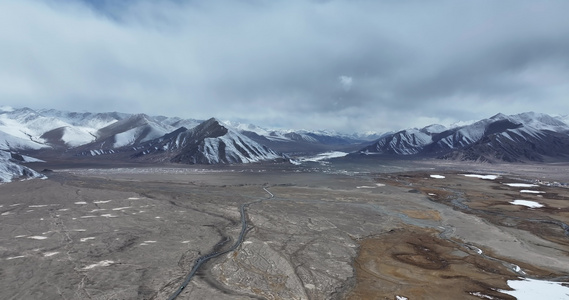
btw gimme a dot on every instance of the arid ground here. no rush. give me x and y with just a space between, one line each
346 230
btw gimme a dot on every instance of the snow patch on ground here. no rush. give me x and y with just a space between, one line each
104 263
87 238
529 289
532 192
474 248
122 208
437 176
48 254
480 295
80 202
530 204
516 268
38 237
102 201
489 177
14 257
521 184
324 156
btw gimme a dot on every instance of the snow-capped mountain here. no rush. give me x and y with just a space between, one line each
111 133
563 118
27 129
211 142
11 168
130 131
175 122
51 128
405 142
84 119
310 136
97 133
526 136
303 142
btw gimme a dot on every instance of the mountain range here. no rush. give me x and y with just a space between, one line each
523 137
119 136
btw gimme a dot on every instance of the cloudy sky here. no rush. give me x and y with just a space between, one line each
347 65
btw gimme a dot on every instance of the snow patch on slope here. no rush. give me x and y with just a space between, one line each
76 136
125 138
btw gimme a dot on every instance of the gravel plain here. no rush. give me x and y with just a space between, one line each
340 230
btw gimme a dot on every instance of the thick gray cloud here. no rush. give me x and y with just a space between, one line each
344 65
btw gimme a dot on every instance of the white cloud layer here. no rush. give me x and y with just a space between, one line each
338 64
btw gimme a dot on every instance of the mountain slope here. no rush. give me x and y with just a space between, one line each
208 143
10 168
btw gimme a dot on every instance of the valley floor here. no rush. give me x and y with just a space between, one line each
391 231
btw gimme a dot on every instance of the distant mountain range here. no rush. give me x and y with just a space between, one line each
92 134
516 138
139 137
